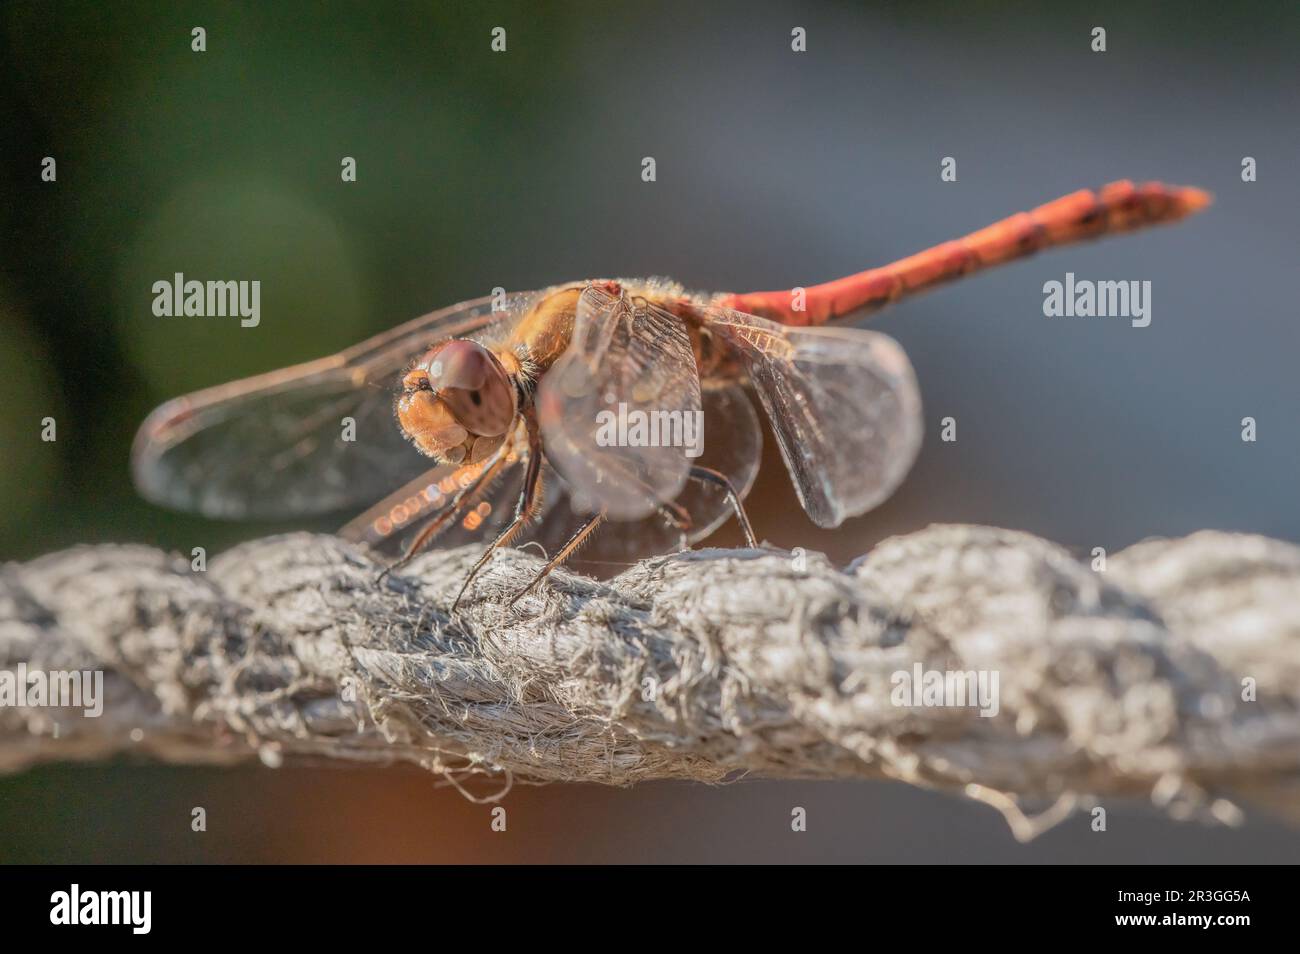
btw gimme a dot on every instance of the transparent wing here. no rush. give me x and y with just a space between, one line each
275 445
390 524
734 448
393 522
620 410
843 403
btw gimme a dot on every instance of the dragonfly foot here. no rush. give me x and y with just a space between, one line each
527 590
708 475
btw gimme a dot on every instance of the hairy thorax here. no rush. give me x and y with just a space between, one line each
545 332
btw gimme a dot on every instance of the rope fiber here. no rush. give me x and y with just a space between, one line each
1174 673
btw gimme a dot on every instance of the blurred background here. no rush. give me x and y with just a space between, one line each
521 169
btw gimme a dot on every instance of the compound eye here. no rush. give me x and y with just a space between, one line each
458 364
471 382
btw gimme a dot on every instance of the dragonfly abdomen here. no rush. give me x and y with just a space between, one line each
1115 208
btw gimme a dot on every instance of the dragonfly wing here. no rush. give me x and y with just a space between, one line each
734 448
844 406
312 438
620 411
393 521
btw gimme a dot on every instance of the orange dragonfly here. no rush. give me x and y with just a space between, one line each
598 391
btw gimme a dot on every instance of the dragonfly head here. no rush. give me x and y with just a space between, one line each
457 402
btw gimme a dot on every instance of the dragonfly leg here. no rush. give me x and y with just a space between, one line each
529 498
588 527
679 517
450 513
708 475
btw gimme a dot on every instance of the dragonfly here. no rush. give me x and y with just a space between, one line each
554 412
